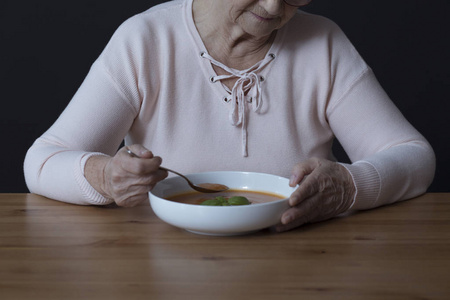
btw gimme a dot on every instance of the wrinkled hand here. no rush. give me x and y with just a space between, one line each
128 179
326 189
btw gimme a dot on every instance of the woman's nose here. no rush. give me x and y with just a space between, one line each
272 7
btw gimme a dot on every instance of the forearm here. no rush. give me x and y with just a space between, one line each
58 173
397 173
392 161
92 126
94 172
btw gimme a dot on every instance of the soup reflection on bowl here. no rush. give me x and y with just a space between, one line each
175 203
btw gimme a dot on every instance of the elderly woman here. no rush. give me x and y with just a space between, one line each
248 85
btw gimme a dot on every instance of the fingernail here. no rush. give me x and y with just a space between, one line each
293 180
144 152
286 219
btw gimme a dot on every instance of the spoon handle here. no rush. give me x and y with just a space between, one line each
169 170
195 187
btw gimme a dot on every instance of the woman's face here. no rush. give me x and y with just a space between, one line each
259 18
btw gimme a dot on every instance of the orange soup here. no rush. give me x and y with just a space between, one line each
252 196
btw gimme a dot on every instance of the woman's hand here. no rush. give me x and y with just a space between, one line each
326 189
126 179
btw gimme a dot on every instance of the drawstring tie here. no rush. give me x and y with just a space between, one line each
246 89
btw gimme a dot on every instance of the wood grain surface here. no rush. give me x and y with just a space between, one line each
54 250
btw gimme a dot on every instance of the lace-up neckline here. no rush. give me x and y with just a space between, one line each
247 89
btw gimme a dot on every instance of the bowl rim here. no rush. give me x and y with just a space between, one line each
221 207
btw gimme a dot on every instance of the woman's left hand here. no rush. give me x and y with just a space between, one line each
326 189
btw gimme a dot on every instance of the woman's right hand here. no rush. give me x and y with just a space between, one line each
124 178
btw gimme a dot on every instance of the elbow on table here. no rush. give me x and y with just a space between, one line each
32 168
424 170
429 167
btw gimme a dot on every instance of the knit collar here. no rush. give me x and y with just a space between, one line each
247 89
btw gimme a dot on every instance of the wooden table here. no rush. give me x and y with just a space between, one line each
53 250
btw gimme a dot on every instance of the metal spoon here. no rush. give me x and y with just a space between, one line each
202 187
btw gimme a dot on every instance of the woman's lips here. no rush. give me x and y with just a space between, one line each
262 18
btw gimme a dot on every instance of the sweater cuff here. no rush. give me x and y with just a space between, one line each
367 183
90 195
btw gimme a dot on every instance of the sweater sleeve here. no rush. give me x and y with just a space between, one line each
391 160
94 123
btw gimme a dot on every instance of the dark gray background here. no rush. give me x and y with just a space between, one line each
47 47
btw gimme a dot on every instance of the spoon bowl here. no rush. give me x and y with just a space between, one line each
202 187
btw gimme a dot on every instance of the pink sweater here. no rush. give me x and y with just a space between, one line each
154 85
